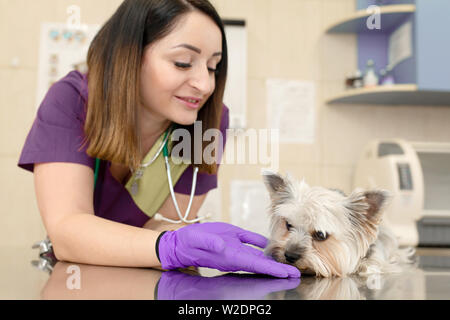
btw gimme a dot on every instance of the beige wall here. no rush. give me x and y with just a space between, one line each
286 39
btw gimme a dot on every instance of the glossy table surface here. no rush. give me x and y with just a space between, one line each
25 276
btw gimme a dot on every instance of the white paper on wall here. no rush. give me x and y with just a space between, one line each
400 44
235 96
62 49
291 109
249 204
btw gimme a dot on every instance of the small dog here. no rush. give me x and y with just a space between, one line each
325 233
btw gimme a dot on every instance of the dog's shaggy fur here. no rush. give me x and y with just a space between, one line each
325 233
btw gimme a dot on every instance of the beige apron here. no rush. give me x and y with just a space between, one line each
152 189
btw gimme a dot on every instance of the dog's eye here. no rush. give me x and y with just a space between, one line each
288 225
320 236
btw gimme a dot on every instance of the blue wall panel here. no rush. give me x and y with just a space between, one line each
433 44
372 46
375 46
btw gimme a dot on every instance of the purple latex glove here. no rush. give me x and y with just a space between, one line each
219 246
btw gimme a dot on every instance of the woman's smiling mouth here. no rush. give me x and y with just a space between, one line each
191 102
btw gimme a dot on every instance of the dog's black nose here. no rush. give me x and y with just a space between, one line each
291 257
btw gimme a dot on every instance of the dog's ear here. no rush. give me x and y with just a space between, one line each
279 187
367 206
377 200
365 211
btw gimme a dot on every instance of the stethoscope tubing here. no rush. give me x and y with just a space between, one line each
182 218
158 216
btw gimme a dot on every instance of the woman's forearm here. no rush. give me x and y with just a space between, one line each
88 239
160 226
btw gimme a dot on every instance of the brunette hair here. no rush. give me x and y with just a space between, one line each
114 63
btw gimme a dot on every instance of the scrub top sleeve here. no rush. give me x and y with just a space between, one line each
205 182
57 132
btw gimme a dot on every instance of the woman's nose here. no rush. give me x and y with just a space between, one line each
202 80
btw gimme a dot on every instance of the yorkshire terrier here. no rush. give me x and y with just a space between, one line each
325 233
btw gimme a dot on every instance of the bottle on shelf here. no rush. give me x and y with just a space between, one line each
388 78
354 81
358 80
370 76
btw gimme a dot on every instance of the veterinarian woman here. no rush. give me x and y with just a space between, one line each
154 66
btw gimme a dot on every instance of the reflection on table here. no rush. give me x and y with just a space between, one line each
76 281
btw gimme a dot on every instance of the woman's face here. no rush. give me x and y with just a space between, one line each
177 75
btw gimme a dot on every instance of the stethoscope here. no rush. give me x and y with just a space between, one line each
139 173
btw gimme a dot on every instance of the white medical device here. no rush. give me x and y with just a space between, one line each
418 176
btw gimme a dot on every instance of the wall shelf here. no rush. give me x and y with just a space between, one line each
398 94
355 23
420 69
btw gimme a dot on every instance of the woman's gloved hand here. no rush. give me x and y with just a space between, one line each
219 246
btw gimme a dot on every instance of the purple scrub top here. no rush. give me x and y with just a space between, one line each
57 135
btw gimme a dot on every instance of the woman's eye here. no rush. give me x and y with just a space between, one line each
187 65
320 236
288 226
182 65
